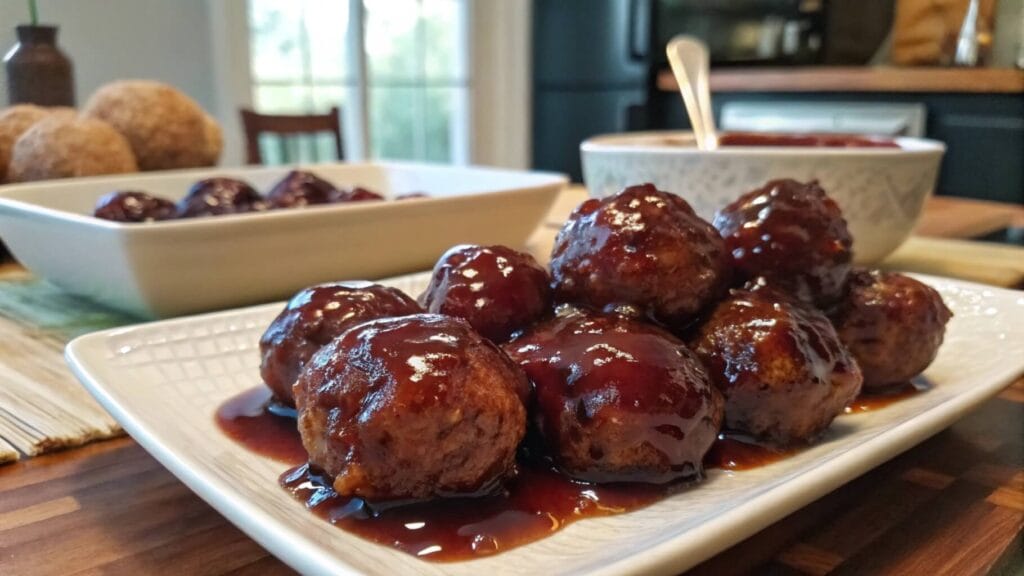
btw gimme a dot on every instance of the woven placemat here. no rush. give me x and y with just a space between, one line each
42 406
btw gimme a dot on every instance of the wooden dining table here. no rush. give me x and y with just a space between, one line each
954 504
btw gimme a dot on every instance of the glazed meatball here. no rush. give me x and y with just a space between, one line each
356 194
219 196
642 248
314 317
131 206
498 290
783 371
301 188
892 324
618 400
411 407
793 236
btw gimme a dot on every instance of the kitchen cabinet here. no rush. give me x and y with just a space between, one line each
591 75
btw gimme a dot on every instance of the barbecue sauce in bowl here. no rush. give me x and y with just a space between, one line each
809 140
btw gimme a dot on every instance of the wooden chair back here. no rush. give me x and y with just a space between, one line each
288 126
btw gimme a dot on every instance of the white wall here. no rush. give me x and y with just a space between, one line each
167 40
111 39
201 47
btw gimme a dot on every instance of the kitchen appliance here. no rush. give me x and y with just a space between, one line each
746 32
595 61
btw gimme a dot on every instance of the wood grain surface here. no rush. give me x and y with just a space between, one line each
952 505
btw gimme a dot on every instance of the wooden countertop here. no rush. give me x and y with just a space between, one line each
952 505
860 79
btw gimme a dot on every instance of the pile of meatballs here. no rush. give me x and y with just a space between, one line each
221 196
653 332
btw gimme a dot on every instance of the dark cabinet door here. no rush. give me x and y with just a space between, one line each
984 156
564 119
591 43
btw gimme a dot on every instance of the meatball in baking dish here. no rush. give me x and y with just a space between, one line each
300 188
412 407
219 196
134 206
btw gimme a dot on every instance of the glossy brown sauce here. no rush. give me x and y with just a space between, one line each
731 452
809 140
876 400
536 503
246 419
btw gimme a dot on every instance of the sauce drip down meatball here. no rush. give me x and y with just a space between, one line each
783 371
131 206
411 407
892 324
314 317
618 400
219 196
643 248
496 289
301 188
793 236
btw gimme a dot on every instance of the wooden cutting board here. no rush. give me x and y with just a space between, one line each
996 264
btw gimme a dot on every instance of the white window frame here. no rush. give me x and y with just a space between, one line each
500 81
498 84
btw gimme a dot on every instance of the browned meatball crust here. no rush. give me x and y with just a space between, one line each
892 324
219 196
134 206
618 400
314 317
411 407
779 363
643 248
498 290
299 188
793 236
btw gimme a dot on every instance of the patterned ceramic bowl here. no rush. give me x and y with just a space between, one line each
881 190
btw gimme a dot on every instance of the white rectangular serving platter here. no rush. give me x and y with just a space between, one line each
177 267
164 380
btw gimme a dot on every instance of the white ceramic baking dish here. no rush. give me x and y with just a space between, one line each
176 267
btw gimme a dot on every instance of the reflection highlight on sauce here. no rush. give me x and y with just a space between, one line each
536 503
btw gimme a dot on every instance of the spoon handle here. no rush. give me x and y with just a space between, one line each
690 61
